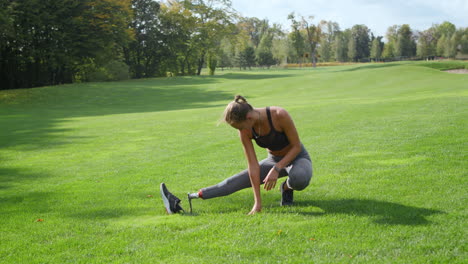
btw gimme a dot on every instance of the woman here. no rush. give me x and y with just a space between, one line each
271 128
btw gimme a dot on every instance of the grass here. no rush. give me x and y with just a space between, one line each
80 167
446 65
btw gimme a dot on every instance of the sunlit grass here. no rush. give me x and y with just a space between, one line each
80 167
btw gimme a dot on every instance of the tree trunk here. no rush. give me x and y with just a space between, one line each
313 57
201 61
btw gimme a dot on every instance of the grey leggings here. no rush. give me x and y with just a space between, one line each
299 172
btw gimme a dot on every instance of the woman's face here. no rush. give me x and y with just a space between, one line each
246 124
241 125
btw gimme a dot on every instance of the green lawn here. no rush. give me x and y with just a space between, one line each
81 164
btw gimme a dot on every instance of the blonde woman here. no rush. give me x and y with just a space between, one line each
271 128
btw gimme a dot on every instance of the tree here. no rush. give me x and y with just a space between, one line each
254 28
264 49
441 45
265 58
426 46
213 22
145 53
451 46
405 45
280 49
376 50
388 51
49 42
212 61
227 53
312 36
246 58
297 40
463 32
329 31
358 47
178 51
341 46
352 49
249 57
446 28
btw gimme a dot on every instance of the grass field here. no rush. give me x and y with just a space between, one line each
81 164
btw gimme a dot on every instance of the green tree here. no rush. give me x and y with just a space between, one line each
212 61
254 28
329 31
264 49
178 51
446 28
280 49
405 45
426 46
312 35
451 46
297 40
341 46
352 49
213 23
463 32
246 58
145 53
376 49
388 51
50 40
249 57
441 45
359 42
227 53
265 58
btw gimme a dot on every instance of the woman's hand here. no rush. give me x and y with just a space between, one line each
270 179
256 209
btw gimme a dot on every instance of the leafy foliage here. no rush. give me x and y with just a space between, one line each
51 42
45 42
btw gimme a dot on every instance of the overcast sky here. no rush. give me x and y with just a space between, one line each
377 15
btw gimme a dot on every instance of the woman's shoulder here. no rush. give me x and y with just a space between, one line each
278 112
280 117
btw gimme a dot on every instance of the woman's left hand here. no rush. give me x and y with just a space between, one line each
270 180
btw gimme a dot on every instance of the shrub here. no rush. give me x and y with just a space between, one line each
111 71
116 71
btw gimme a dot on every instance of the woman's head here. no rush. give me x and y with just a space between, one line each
237 110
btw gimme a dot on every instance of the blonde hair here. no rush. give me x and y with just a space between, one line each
236 111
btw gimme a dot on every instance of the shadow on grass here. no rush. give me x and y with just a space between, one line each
30 119
386 213
108 213
370 66
10 177
251 76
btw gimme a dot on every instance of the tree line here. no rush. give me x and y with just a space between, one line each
52 42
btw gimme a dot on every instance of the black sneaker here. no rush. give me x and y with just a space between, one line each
287 196
171 202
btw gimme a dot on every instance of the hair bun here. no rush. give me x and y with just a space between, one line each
240 99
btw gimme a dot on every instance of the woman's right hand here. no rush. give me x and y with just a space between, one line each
256 209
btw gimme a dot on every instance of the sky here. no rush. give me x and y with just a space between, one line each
377 15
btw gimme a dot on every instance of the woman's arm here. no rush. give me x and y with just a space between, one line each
253 168
285 122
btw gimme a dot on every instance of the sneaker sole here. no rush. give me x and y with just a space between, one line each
165 200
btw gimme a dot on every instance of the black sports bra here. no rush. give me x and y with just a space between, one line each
274 140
